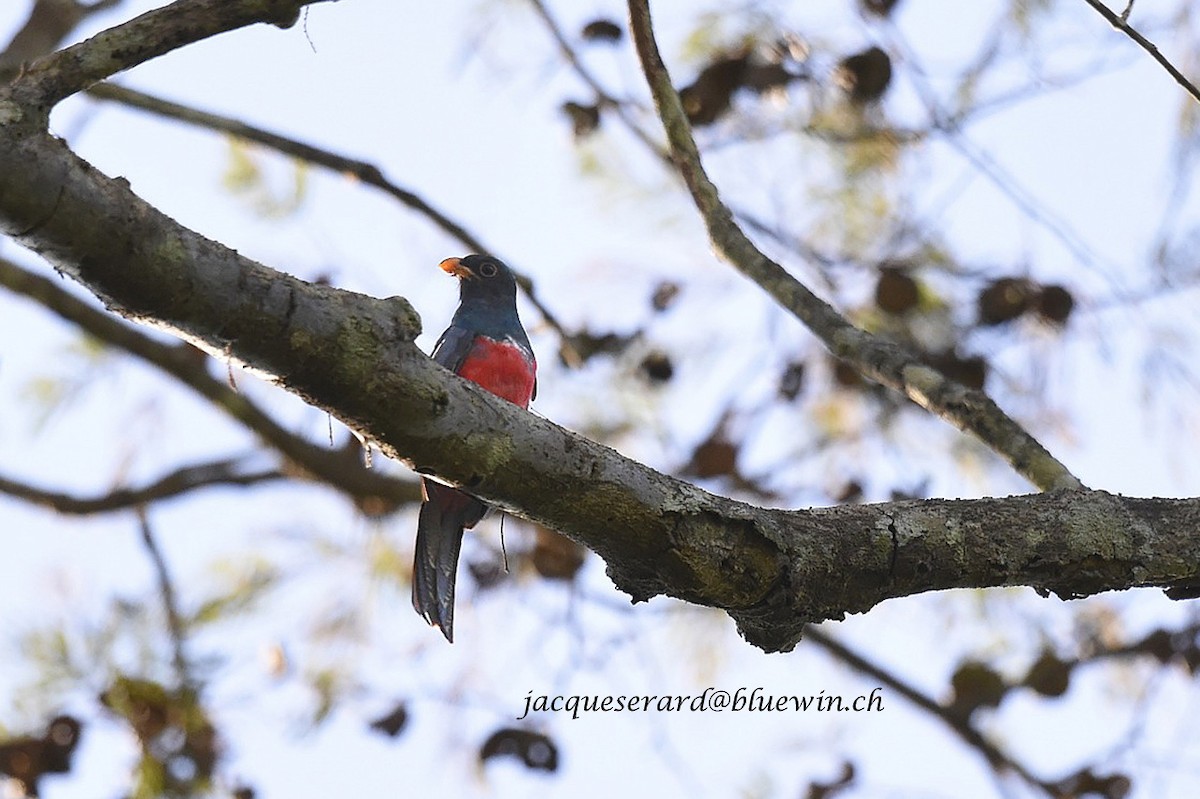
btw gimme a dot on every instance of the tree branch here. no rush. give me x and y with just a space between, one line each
174 484
48 24
996 757
372 490
773 570
366 172
65 72
603 98
1121 23
166 590
880 359
353 355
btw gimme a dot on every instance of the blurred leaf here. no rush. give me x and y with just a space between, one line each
1025 13
879 151
150 779
864 76
584 117
26 759
488 570
880 8
849 493
1004 300
342 620
393 722
242 172
657 367
386 562
179 743
896 292
708 97
245 584
246 177
664 295
602 30
1049 675
969 370
535 750
330 686
1087 782
1054 304
77 367
714 457
975 685
791 381
588 344
704 39
555 556
828 790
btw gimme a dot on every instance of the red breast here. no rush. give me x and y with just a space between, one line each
502 368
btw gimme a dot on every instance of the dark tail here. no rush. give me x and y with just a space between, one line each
444 514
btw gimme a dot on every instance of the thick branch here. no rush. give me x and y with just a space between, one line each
353 356
65 72
882 360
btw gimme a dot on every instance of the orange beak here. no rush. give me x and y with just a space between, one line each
454 266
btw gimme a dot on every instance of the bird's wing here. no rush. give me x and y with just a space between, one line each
452 348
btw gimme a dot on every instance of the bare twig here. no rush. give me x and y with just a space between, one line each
951 126
880 359
187 365
603 97
1120 22
606 99
166 590
997 758
174 484
48 23
366 172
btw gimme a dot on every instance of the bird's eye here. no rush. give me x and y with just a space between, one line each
488 269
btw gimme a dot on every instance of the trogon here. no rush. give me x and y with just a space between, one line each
486 344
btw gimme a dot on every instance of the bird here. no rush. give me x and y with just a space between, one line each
486 344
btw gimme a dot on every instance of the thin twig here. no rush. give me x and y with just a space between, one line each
951 126
188 365
606 99
881 359
48 23
1119 21
174 484
166 590
366 172
996 757
603 97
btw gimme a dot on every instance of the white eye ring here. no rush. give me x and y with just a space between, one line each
488 269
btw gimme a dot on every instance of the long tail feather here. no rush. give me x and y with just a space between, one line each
444 514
